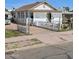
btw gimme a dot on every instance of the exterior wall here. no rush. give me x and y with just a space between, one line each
39 17
43 7
56 20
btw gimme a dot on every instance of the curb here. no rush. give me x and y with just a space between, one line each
24 48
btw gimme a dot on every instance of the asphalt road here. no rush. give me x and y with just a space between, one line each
61 51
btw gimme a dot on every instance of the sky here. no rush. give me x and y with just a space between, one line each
9 4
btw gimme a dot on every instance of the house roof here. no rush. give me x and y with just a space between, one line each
30 6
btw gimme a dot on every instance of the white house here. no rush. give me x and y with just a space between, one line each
8 15
38 12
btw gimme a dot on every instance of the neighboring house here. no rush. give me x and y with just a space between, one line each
8 17
41 14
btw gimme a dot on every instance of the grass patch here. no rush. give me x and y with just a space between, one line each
34 39
12 33
15 46
24 43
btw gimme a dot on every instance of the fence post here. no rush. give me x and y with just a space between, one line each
59 24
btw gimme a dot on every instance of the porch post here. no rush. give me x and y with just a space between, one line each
59 24
25 17
27 24
19 17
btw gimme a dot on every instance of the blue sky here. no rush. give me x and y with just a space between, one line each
9 4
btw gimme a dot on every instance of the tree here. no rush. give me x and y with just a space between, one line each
13 14
66 8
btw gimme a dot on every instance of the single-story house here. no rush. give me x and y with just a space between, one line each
40 14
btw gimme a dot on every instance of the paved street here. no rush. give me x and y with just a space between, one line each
62 51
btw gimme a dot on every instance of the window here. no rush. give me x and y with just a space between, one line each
26 14
22 14
18 14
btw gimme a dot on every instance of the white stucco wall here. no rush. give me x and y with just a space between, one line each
42 16
56 17
56 20
39 16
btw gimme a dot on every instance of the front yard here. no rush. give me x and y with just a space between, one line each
39 36
12 33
